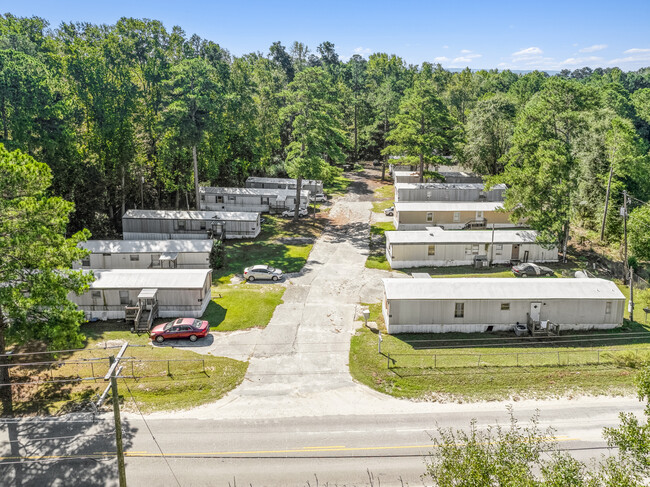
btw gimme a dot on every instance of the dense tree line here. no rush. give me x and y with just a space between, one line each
137 115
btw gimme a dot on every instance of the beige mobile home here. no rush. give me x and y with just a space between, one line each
176 293
146 254
492 304
448 192
400 177
442 248
262 200
314 186
184 225
418 215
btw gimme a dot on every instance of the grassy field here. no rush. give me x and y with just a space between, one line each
383 198
338 186
190 380
377 257
281 243
240 306
472 367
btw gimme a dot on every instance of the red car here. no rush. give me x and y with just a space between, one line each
181 328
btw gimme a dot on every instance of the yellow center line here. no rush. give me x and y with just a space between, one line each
315 449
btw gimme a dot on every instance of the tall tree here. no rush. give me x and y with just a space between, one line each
35 269
489 131
196 102
317 138
542 169
423 129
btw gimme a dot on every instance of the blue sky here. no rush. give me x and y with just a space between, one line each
549 35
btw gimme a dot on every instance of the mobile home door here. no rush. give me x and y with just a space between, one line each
535 311
515 252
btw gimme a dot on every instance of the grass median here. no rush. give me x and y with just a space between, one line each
473 367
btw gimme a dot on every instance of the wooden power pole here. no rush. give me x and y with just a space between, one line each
609 185
111 375
625 268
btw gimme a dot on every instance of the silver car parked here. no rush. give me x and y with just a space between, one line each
262 272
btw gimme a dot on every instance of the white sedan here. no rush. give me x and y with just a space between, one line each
301 212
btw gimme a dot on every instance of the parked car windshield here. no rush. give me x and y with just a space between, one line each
168 325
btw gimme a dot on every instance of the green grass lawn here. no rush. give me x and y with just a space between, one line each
383 197
446 366
184 385
241 306
273 247
377 257
337 186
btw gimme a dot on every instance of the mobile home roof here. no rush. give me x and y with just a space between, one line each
448 205
252 191
257 179
151 278
436 235
157 246
191 215
494 288
449 186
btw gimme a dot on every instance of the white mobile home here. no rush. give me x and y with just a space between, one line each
178 293
184 225
314 186
418 215
406 176
448 192
263 200
146 254
497 304
442 248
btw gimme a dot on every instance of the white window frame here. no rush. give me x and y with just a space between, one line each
431 250
498 248
459 310
456 216
505 306
429 216
479 214
134 257
124 298
608 307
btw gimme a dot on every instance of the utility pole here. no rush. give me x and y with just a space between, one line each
111 375
142 192
625 268
492 246
609 185
630 306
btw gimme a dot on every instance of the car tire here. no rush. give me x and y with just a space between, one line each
274 278
524 275
193 338
251 278
160 338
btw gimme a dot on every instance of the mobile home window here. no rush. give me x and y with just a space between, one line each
474 249
134 258
432 250
498 248
231 198
428 194
468 249
96 294
86 261
505 306
459 311
456 216
202 197
430 217
181 224
202 225
479 215
608 307
124 297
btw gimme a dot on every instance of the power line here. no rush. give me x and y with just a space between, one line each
151 433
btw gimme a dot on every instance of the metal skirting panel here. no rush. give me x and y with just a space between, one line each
481 328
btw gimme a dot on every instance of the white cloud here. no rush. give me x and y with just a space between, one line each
465 51
528 52
441 59
594 48
574 61
636 51
445 47
362 50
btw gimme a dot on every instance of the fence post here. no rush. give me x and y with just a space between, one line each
435 360
598 357
168 371
132 371
92 371
203 365
558 357
388 360
478 362
517 360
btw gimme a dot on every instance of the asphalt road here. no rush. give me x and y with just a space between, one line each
378 449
